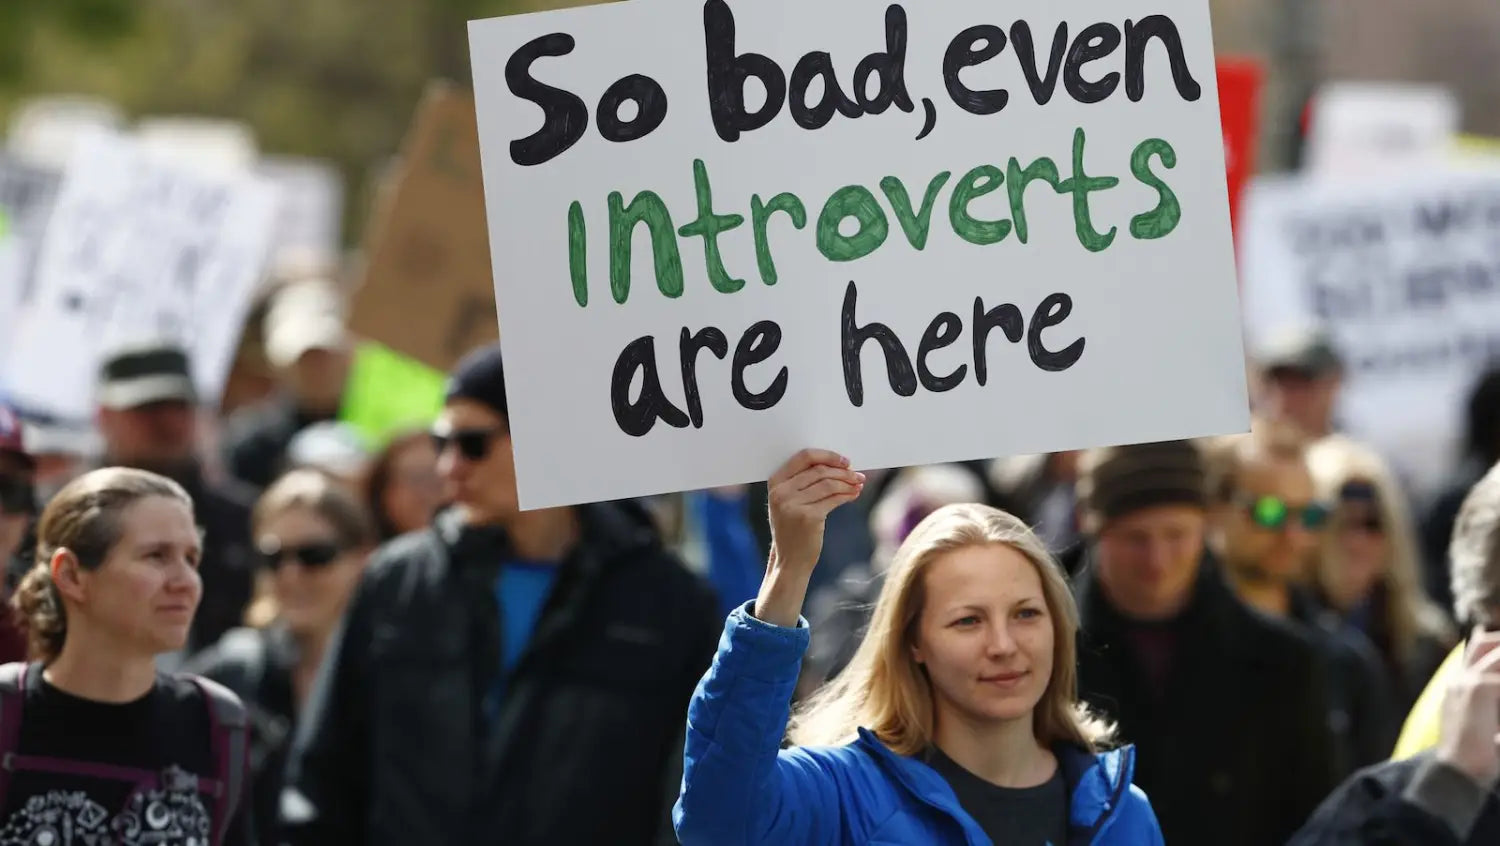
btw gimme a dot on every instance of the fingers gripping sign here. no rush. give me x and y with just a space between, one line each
803 492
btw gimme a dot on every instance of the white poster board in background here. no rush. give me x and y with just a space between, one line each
310 211
139 249
766 274
1405 274
1359 129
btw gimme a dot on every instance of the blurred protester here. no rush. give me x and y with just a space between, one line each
17 510
402 489
840 612
505 676
307 342
1266 524
1227 708
313 537
1302 374
1481 450
1449 793
148 419
957 721
735 567
1042 487
107 748
1368 571
251 378
60 452
333 448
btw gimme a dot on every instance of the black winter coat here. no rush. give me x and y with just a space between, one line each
393 750
1238 752
1371 809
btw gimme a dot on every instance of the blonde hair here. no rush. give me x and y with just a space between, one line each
1408 612
884 688
315 491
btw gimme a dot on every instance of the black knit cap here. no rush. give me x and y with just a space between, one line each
480 376
1115 481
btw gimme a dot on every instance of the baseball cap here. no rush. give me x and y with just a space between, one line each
303 316
144 375
1302 349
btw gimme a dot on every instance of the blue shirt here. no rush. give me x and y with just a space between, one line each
521 590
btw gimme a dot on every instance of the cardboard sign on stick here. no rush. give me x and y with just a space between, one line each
139 249
905 239
427 289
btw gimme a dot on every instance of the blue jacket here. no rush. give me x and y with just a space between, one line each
739 788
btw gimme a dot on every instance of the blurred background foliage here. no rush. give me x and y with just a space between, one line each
339 79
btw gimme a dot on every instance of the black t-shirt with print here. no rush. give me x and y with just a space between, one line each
166 731
1011 816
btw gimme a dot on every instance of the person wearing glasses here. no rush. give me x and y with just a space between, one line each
504 676
1225 707
313 536
1267 523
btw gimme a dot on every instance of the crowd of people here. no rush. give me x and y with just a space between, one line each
1256 639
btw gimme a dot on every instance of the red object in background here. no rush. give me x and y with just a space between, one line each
1239 112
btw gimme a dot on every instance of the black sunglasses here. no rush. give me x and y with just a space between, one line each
473 444
16 495
316 554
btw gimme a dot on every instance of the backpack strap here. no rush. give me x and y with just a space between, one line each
227 726
12 701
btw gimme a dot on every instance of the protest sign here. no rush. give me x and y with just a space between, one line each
427 289
388 391
27 193
1239 111
910 234
1361 128
138 249
310 206
11 287
1404 272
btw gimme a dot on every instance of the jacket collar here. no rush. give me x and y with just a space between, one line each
1097 785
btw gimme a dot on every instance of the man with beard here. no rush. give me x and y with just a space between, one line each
148 417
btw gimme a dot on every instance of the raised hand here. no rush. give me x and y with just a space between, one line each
1471 713
802 494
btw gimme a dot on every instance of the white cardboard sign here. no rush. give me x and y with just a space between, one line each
138 249
1405 274
722 232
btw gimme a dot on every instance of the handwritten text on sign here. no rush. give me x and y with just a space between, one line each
810 192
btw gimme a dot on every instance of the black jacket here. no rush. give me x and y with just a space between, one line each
1404 803
1237 752
1362 713
256 439
393 750
257 665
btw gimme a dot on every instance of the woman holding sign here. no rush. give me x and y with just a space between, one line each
957 721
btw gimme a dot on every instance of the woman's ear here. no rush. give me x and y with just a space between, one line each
67 575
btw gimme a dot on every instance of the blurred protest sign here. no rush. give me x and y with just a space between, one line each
139 248
427 289
202 143
27 193
12 270
1360 128
1405 274
310 208
388 392
45 131
862 282
1239 110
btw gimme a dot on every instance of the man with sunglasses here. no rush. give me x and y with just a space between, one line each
17 510
1265 526
1224 706
1448 795
504 676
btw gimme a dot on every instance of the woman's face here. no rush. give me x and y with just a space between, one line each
312 572
415 492
1362 546
985 634
147 590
